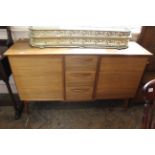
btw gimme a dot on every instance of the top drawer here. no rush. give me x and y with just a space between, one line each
81 63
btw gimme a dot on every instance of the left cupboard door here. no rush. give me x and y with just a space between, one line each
38 78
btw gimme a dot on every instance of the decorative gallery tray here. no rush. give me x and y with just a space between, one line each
79 37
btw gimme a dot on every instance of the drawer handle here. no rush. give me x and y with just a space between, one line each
86 60
81 74
79 90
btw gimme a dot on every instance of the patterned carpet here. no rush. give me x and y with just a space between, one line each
87 115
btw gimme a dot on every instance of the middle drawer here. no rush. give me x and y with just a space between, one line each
79 79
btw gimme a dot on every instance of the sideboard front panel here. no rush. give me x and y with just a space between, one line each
38 77
119 76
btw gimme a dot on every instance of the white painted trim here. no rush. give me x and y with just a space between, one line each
19 28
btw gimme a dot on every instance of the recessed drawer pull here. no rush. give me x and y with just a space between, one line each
80 60
85 60
79 89
81 75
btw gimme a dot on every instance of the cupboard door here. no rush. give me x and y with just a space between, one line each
119 76
38 77
80 77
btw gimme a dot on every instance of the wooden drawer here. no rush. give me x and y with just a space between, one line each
80 93
81 63
80 79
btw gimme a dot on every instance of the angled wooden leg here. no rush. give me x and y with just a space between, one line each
27 123
26 105
126 104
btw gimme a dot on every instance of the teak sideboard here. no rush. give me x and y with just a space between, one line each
76 74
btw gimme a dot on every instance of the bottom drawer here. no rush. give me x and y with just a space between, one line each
79 93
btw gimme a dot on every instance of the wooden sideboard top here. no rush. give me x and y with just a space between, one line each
23 48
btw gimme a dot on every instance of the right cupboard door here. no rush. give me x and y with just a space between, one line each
119 76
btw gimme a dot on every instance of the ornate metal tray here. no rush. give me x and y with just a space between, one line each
79 37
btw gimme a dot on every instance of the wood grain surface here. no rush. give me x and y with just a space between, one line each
119 77
38 77
76 74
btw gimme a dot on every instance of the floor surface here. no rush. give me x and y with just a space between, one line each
87 115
